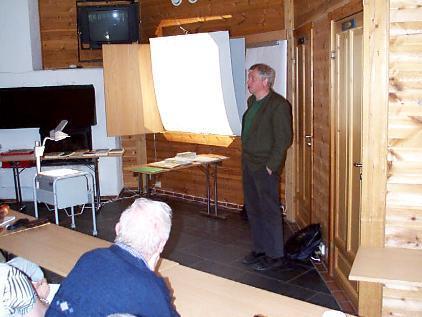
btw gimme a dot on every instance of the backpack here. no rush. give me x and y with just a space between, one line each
302 244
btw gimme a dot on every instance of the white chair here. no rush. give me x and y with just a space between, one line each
65 188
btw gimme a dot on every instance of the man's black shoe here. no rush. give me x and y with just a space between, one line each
253 258
266 263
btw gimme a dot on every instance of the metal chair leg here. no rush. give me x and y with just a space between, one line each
35 197
73 226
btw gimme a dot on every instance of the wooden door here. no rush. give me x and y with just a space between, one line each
304 123
346 144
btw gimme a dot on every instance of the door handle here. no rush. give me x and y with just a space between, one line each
357 164
308 139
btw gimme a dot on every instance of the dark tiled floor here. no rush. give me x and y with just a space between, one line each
213 246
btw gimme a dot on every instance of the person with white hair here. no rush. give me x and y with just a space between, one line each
121 278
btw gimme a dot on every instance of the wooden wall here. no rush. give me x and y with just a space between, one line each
241 17
158 17
403 226
59 36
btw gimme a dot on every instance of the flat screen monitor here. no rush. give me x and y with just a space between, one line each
114 24
44 107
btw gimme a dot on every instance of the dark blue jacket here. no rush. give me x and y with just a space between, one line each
111 280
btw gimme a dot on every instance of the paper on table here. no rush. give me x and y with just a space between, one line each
168 163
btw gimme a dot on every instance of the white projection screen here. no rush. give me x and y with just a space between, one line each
194 84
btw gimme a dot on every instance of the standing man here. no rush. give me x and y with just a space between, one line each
121 278
266 136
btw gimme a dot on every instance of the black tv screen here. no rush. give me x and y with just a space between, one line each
114 24
44 107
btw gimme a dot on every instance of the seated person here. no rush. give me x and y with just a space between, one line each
121 278
44 290
17 294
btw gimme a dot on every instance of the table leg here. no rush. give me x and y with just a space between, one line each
97 185
56 208
208 213
207 174
140 183
17 183
215 192
143 184
35 197
72 209
94 218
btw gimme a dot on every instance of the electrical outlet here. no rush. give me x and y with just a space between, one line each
158 183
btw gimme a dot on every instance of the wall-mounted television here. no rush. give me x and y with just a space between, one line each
108 24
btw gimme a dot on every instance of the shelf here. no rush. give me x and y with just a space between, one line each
388 266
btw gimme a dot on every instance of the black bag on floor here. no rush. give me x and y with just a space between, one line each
303 243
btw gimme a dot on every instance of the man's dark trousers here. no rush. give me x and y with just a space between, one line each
263 209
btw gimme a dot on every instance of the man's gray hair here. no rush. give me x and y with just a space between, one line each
145 225
265 71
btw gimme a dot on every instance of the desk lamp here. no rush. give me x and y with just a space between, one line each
56 135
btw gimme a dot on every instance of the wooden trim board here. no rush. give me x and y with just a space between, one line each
374 127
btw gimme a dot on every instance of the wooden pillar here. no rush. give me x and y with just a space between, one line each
290 159
374 140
